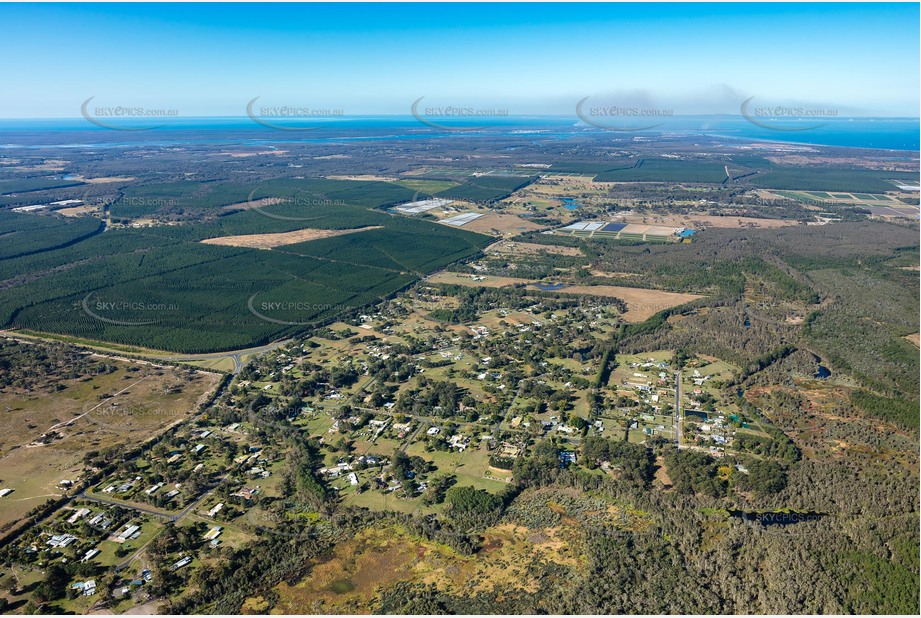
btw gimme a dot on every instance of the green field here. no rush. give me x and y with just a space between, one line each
429 187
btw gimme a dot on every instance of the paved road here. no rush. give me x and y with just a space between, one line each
678 408
125 505
234 355
425 419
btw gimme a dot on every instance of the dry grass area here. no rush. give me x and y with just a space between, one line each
48 165
699 222
646 229
661 473
350 579
47 432
488 281
526 248
78 211
915 338
268 241
567 185
642 304
817 426
866 162
501 225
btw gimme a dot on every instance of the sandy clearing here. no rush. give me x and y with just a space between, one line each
268 241
101 180
265 201
78 211
365 177
915 338
104 179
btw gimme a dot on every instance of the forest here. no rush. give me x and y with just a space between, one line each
161 288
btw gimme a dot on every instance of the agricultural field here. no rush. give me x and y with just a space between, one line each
623 231
882 205
167 290
501 225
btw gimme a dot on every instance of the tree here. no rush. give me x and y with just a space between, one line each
766 477
473 508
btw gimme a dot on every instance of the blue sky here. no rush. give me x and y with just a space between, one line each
200 59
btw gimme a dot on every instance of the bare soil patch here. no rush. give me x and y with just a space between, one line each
269 241
365 177
501 224
641 303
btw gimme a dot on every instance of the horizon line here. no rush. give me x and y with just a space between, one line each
452 118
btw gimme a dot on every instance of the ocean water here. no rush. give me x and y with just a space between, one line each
901 134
